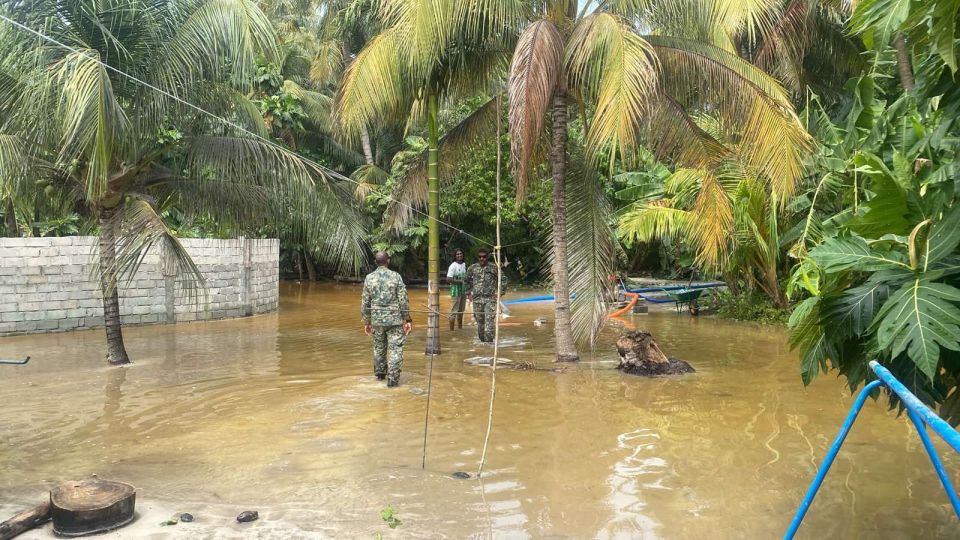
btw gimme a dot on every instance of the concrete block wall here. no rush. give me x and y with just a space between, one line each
47 284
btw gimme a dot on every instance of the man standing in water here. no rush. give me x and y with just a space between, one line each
386 316
480 284
459 299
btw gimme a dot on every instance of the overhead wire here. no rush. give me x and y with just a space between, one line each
230 123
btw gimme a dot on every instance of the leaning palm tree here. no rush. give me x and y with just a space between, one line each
639 71
126 105
427 51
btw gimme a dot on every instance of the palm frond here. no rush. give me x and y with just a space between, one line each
489 21
784 45
374 86
617 70
423 28
327 61
14 170
216 38
410 191
318 106
94 125
368 177
592 250
141 229
771 138
534 75
672 132
304 192
649 221
713 222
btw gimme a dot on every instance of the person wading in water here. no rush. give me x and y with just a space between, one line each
480 284
386 316
455 276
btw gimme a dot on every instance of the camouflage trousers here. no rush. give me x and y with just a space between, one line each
485 311
388 352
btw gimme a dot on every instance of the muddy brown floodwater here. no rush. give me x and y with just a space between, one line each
280 413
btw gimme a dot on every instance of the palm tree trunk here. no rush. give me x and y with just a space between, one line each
433 229
563 331
116 351
10 217
367 149
903 63
311 269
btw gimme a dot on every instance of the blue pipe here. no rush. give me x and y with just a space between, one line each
913 403
828 460
531 299
937 465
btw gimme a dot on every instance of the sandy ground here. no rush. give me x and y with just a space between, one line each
210 521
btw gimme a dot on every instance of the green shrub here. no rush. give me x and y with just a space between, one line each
752 307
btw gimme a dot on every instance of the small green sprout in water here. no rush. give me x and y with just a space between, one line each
390 516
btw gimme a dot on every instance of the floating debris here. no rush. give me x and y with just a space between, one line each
186 518
461 475
247 516
486 361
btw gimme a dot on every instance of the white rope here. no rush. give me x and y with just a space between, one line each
496 328
224 120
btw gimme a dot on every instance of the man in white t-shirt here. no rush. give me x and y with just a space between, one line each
455 277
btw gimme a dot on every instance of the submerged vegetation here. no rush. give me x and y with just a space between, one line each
802 152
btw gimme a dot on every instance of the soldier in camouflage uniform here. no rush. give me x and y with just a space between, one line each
480 284
386 316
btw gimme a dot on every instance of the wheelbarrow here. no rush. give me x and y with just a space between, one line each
686 297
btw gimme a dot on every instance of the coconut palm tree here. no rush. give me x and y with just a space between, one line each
93 116
427 51
640 72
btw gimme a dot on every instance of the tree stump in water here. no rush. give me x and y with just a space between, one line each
640 355
91 506
24 521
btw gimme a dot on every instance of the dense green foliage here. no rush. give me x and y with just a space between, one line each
877 254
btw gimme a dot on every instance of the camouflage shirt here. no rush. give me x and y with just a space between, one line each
384 301
481 282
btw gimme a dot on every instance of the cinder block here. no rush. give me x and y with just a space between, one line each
12 316
26 326
47 325
68 324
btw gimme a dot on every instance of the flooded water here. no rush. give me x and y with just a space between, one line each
280 413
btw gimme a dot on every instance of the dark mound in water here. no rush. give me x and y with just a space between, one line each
640 355
461 475
673 366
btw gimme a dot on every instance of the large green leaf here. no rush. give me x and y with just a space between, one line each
887 210
851 313
920 318
836 254
881 17
943 31
807 334
945 236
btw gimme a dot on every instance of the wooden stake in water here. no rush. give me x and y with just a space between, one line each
496 328
426 414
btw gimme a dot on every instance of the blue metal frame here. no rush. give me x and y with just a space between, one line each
921 416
